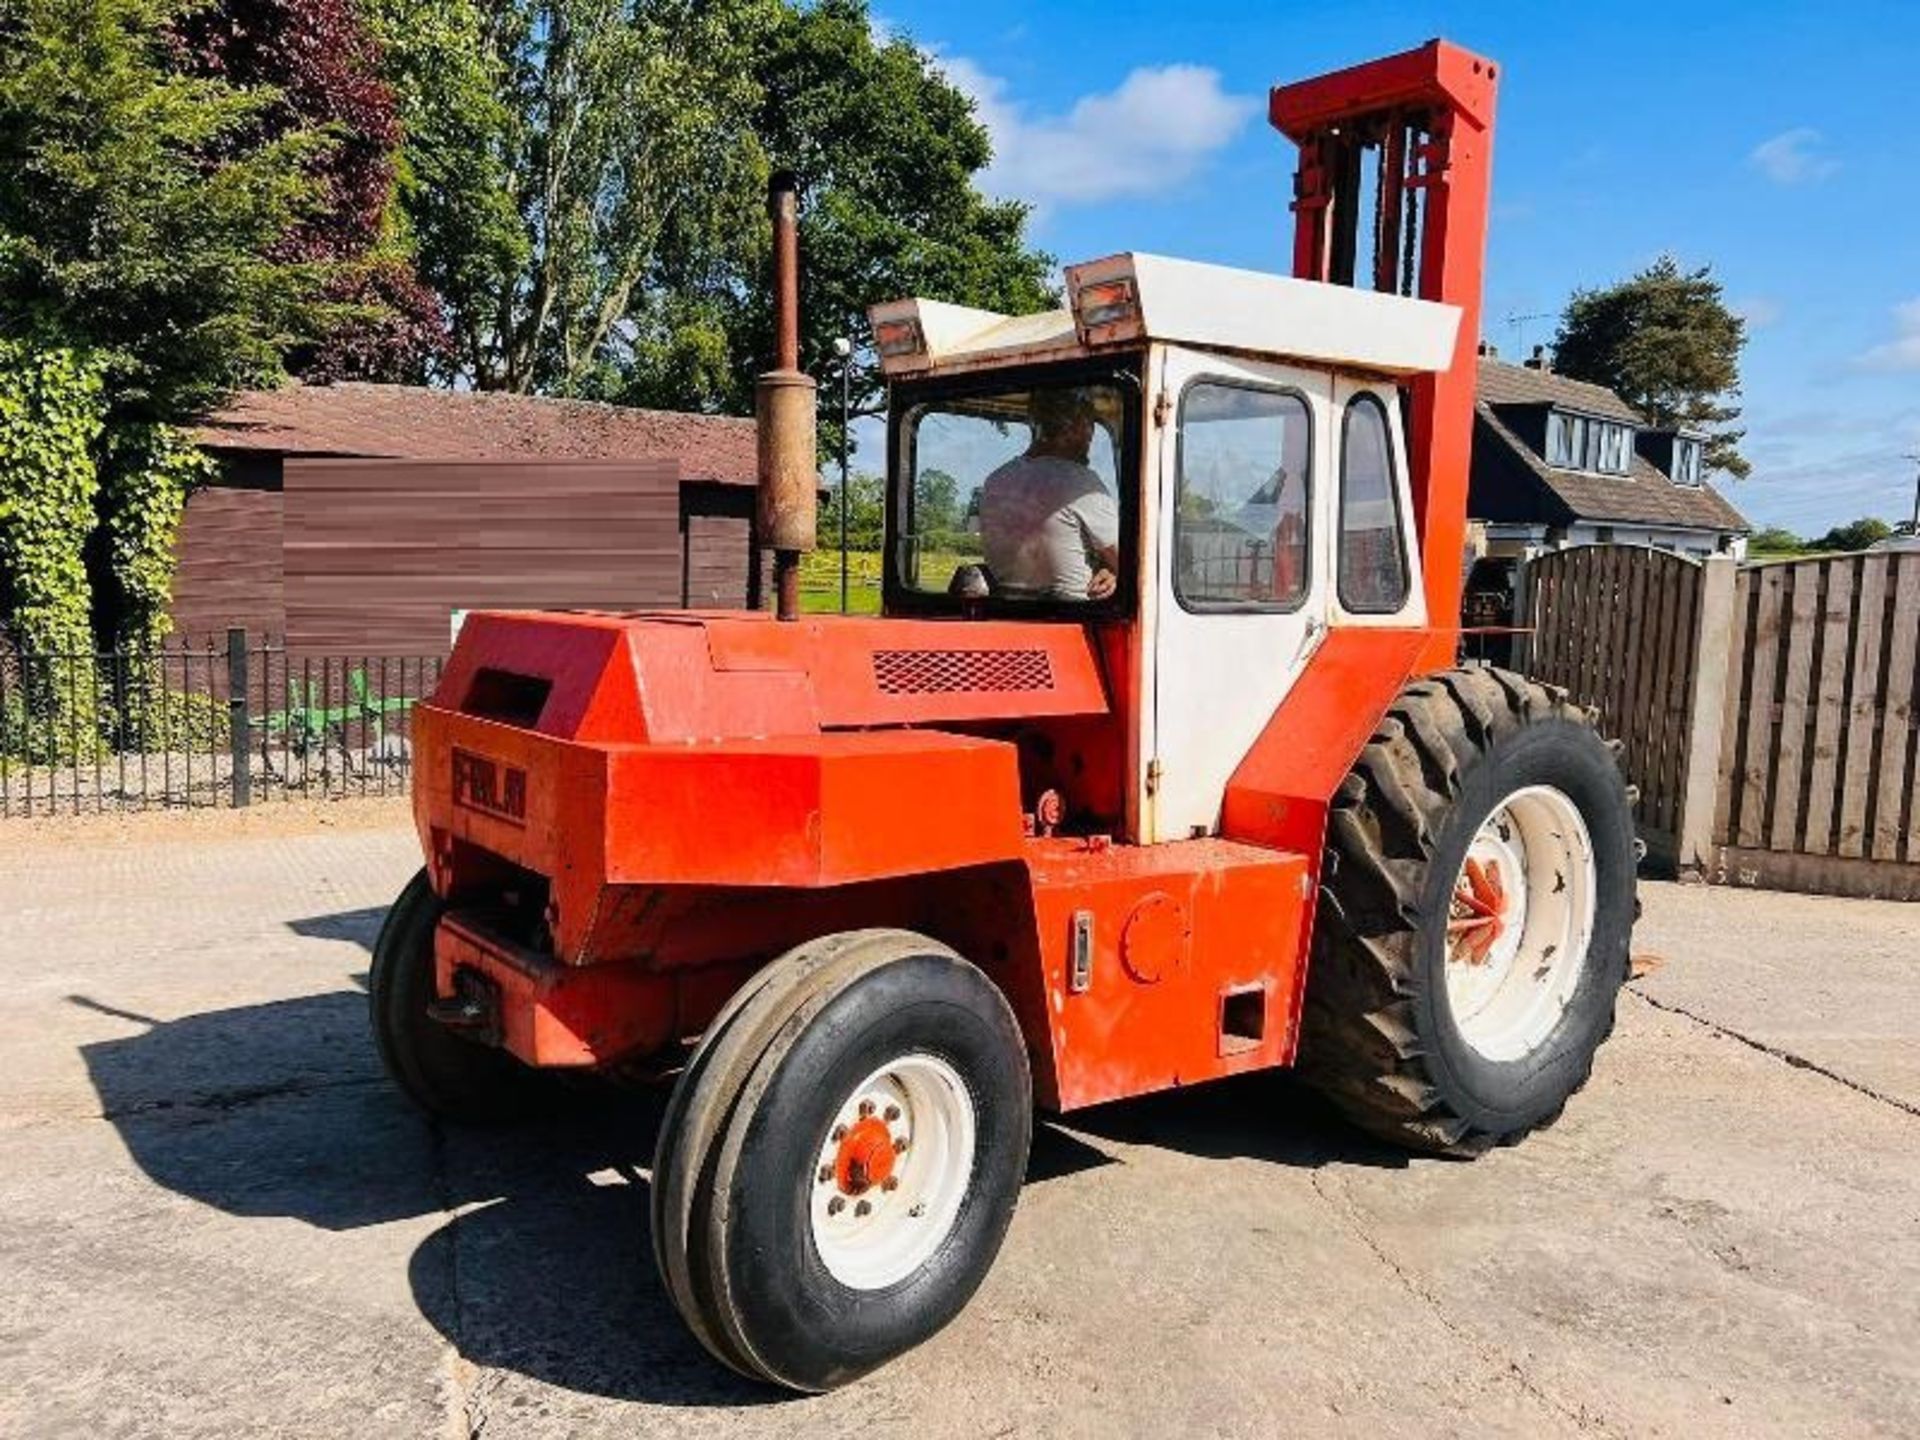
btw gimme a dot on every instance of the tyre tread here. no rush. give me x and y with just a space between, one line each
1359 1043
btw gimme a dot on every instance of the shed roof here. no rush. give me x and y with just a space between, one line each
1506 467
416 423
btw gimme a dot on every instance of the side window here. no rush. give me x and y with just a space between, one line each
1240 503
1373 557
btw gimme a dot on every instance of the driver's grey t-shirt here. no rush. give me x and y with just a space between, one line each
1042 519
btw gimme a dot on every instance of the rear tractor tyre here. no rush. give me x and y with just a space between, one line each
841 1158
1475 912
441 1072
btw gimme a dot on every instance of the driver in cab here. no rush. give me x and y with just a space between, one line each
1048 524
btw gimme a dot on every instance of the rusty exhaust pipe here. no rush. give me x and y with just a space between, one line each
784 413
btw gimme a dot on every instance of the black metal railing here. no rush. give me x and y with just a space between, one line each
227 721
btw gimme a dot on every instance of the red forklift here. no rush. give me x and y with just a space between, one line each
1157 768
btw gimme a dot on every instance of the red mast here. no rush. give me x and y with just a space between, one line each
1405 144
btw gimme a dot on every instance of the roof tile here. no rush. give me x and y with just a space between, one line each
412 422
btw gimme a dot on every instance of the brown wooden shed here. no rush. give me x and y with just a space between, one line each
357 519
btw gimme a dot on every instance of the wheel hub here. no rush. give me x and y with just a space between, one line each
893 1170
865 1157
1479 911
1520 922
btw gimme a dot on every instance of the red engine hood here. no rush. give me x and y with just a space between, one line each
662 678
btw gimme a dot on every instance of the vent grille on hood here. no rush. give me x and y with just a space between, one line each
949 672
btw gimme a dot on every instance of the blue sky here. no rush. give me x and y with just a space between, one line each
1775 141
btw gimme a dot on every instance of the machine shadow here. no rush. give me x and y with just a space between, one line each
1270 1116
360 927
544 1266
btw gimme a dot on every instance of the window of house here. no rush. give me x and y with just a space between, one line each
1686 461
1241 513
1575 442
1373 557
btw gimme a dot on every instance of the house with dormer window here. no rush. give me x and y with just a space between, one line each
1560 462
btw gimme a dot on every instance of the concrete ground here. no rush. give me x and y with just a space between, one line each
217 1219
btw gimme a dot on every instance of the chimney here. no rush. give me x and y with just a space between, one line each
1539 360
784 413
1489 350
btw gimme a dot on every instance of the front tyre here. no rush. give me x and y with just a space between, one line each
1476 911
843 1158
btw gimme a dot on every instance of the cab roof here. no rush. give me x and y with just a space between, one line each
1123 300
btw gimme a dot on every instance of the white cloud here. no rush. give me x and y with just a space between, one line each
1903 351
1793 157
1758 311
1149 135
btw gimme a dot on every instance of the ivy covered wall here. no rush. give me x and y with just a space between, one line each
51 415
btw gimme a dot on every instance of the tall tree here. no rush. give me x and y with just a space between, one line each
887 150
1667 343
617 121
142 210
318 61
456 212
588 192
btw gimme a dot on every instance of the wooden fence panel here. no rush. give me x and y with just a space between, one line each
1896 808
1822 790
1614 625
1756 769
1863 706
1832 645
1797 633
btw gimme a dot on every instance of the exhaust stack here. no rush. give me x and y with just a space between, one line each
784 413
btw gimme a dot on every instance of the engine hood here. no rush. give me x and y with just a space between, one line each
687 676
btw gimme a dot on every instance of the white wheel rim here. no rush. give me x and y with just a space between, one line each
1520 926
877 1219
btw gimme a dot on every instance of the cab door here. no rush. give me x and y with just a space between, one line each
1240 587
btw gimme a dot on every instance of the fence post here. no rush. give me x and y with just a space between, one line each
1713 663
1522 657
237 716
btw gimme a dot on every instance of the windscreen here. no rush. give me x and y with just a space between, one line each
1013 496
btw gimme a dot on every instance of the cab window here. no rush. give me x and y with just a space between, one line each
1373 556
1013 496
1241 511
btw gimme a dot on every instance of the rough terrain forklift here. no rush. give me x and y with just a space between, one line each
1207 796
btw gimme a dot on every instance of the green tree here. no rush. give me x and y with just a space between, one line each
456 211
866 513
150 211
550 152
887 151
584 181
139 212
936 503
1776 541
1666 342
1857 535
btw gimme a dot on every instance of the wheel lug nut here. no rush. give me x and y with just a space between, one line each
900 1145
892 1113
836 1205
863 1208
892 1182
826 1173
866 1108
839 1134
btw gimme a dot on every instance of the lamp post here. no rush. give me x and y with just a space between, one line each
843 347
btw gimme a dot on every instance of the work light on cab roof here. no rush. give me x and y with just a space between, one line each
1156 768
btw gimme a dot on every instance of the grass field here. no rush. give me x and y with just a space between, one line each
820 579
